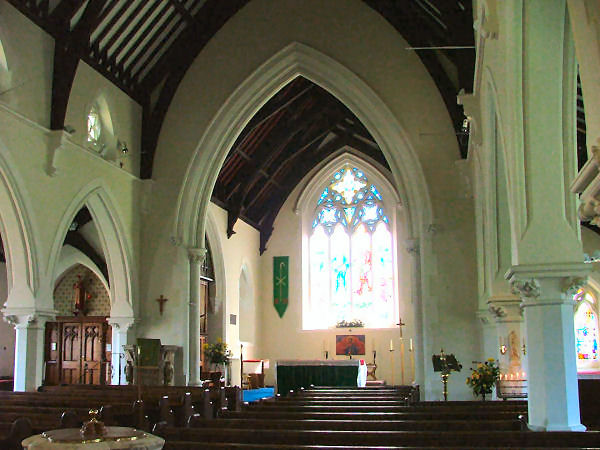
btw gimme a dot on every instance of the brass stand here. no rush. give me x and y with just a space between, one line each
445 383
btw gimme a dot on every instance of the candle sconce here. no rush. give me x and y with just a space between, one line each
503 349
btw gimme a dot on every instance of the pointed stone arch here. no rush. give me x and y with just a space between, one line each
216 248
117 250
71 257
23 273
294 60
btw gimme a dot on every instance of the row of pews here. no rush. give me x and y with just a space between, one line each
25 413
356 418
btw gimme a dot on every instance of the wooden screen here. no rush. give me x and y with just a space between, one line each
75 351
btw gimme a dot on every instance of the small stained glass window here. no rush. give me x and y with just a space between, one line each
93 126
350 254
586 327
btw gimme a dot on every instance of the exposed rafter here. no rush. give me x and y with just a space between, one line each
289 136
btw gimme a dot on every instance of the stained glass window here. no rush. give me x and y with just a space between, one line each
351 260
93 125
586 326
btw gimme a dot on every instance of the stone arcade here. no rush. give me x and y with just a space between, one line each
117 157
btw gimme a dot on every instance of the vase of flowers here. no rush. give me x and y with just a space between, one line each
217 354
484 377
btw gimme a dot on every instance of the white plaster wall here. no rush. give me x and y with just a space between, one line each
240 250
7 332
360 39
26 86
125 116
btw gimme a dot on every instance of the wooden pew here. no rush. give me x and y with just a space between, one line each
344 438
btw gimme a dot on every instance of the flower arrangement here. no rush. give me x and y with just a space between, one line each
354 323
484 377
217 353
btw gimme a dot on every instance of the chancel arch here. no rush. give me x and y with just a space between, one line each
290 62
297 60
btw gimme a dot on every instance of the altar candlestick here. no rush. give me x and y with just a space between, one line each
410 345
402 360
412 362
392 360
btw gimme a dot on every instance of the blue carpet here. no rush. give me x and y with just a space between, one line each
252 395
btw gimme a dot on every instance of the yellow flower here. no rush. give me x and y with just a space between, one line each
491 360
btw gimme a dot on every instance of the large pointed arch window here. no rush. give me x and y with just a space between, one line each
351 263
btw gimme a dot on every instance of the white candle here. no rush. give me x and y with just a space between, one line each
391 345
410 346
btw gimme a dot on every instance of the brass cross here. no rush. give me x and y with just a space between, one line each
400 325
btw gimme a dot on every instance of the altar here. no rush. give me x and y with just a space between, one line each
294 374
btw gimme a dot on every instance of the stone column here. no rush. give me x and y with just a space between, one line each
29 347
120 328
414 250
488 328
547 295
507 314
196 257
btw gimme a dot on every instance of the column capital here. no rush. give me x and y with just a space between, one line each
196 255
528 288
122 323
547 283
506 309
484 316
27 317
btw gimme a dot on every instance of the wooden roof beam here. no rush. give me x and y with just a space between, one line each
67 52
173 64
181 9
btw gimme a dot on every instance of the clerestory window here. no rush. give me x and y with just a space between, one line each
93 126
351 261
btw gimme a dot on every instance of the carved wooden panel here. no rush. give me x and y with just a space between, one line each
75 351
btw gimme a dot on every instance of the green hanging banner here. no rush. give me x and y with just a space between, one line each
280 283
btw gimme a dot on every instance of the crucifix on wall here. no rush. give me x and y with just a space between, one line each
161 303
400 324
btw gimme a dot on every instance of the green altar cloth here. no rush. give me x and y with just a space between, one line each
296 374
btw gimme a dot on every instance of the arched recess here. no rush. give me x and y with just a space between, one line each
18 238
293 60
247 307
69 258
216 318
117 250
